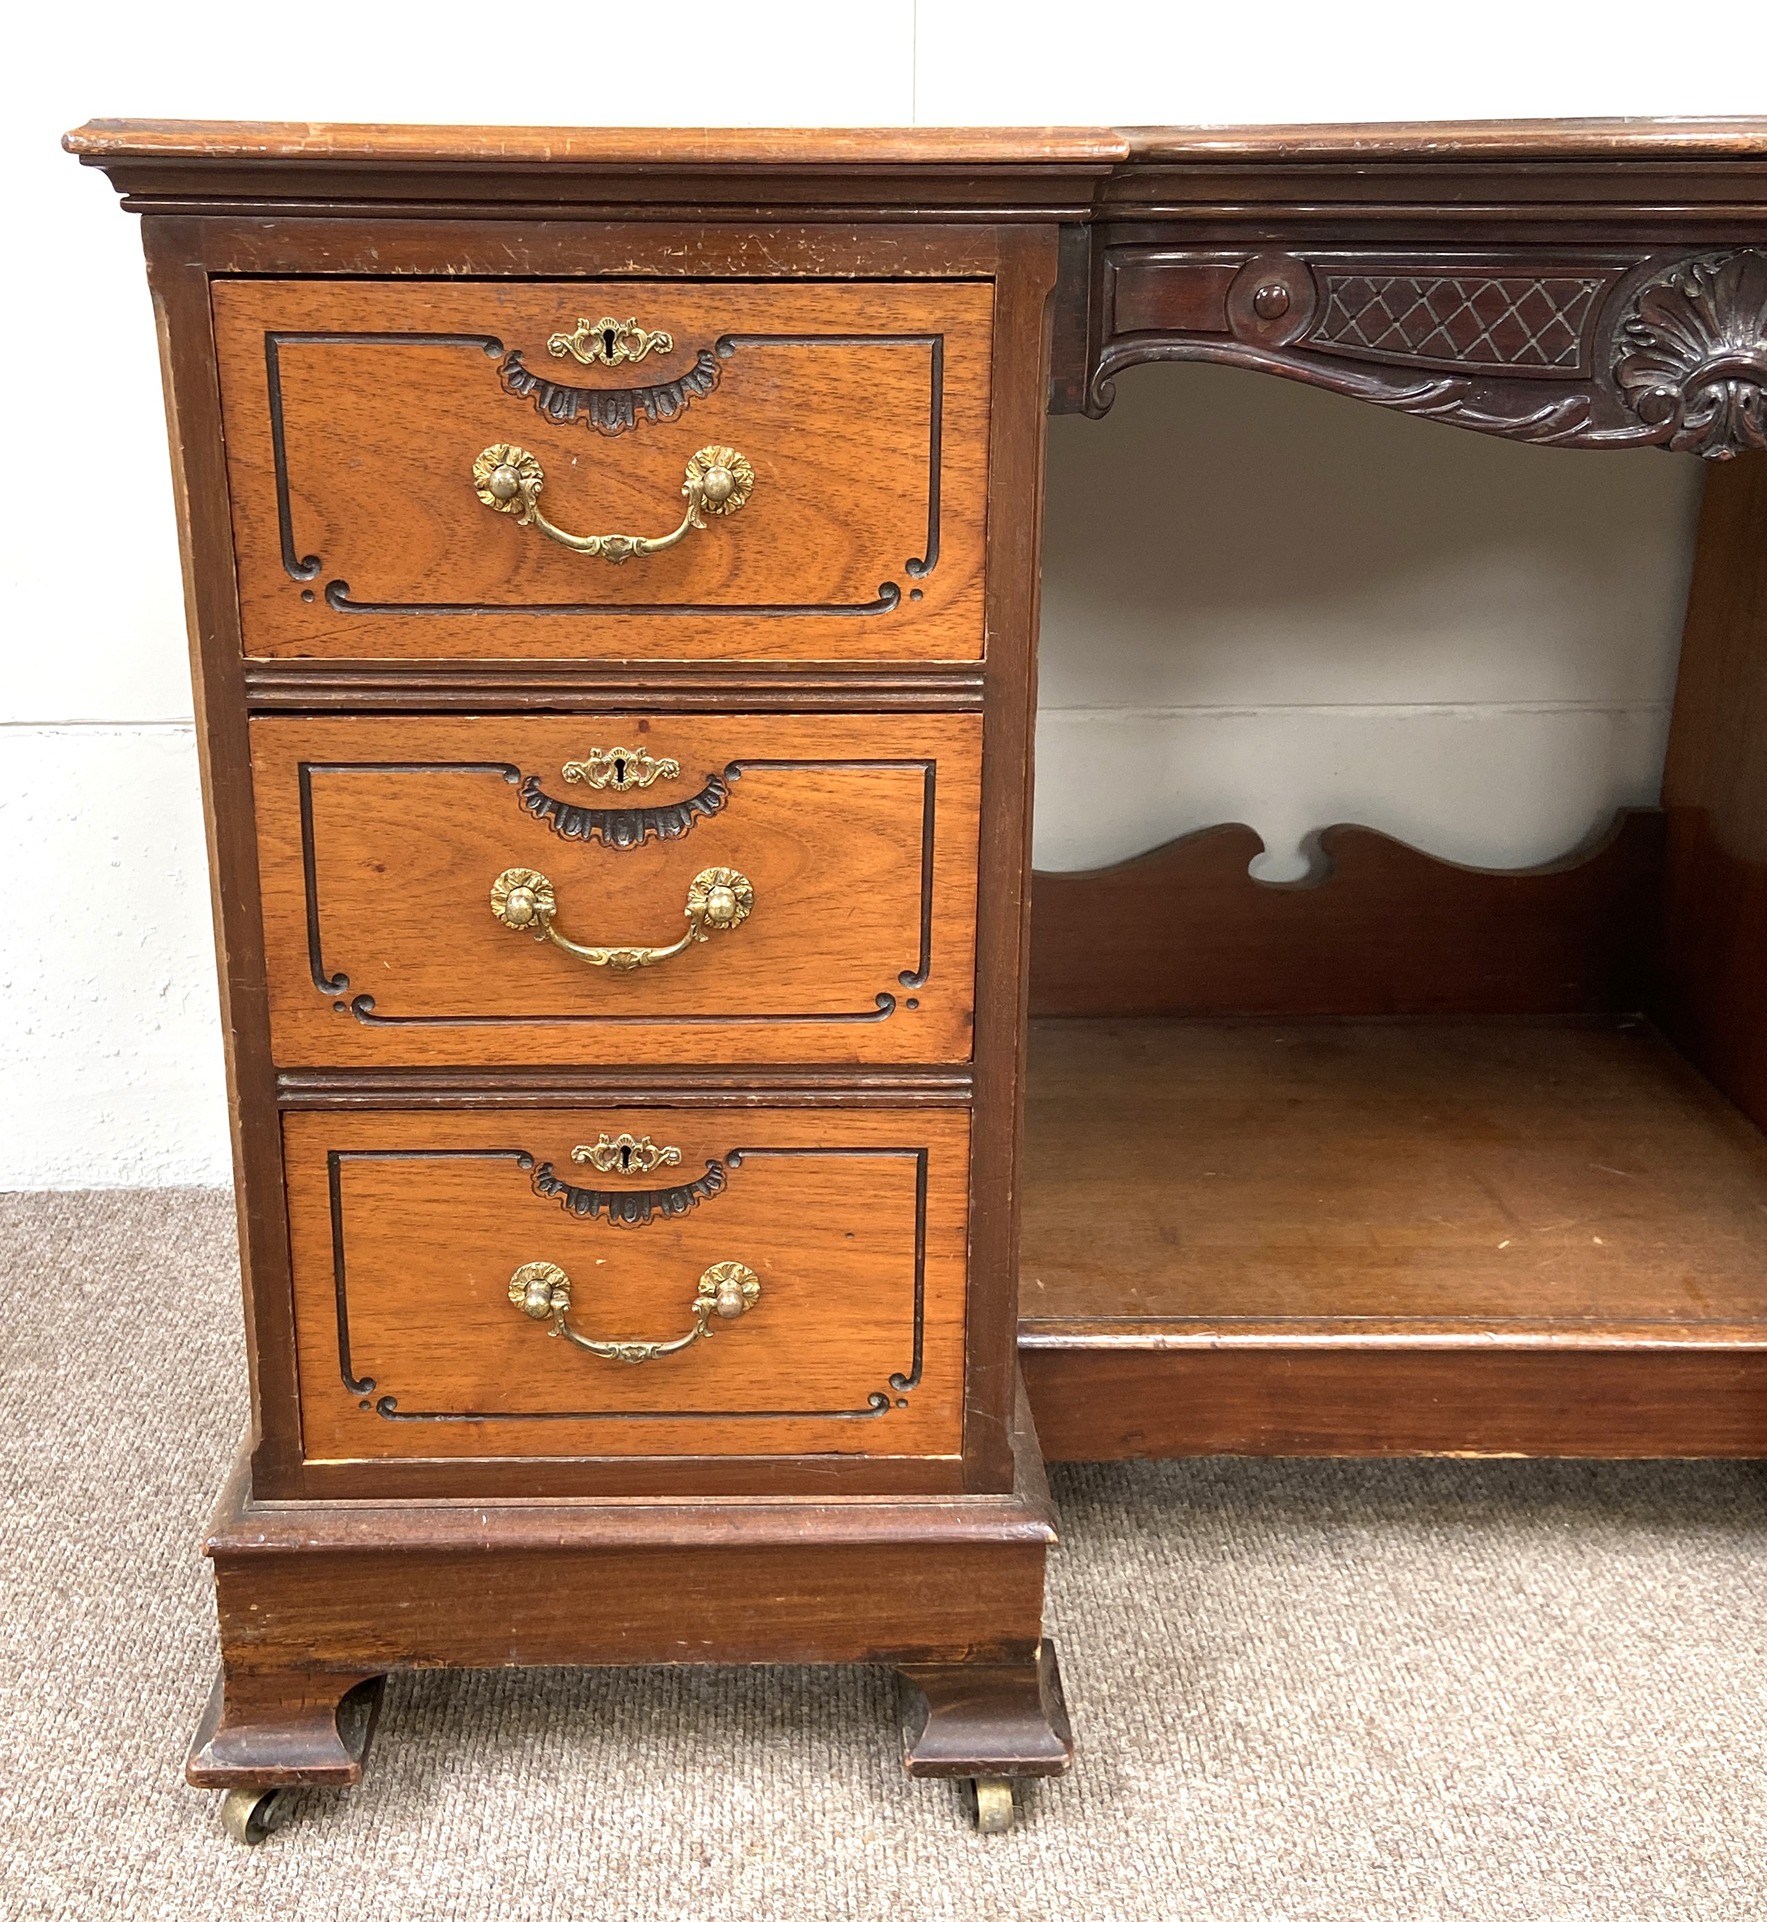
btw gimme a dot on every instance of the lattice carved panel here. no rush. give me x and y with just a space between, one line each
1507 321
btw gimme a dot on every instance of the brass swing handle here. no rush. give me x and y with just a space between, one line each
542 1291
508 480
717 898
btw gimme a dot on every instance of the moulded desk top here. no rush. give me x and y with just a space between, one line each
100 141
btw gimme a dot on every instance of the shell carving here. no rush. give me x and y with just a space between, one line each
1691 356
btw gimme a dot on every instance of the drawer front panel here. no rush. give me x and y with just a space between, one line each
411 869
849 1226
851 527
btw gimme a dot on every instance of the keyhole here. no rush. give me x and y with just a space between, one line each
608 337
619 771
625 1161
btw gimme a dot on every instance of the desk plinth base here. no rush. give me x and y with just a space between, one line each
316 1600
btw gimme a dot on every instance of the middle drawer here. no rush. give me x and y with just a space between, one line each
627 888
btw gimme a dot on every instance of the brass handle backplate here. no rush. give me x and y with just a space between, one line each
508 480
717 898
542 1291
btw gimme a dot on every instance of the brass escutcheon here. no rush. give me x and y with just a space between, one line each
626 1155
608 342
620 768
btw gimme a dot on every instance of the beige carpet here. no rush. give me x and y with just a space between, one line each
1355 1693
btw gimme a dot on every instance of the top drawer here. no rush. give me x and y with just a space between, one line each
403 455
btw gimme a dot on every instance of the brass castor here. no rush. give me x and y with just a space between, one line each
250 1815
990 1802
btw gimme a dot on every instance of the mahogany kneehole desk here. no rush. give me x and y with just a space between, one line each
662 1124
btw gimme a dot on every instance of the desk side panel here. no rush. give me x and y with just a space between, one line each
1713 990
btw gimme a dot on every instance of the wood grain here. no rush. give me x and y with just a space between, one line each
1344 1237
1602 137
1137 1402
1387 929
325 241
1001 1719
482 242
1440 1174
564 687
427 1216
276 1728
193 419
863 411
1366 1237
1715 792
1003 908
405 846
623 1087
313 1595
1616 137
647 149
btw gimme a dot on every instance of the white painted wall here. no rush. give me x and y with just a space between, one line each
1327 612
1498 683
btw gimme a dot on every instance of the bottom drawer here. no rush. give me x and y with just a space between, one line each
757 1283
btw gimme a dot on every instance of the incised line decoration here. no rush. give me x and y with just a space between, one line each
612 411
714 894
1459 319
386 1406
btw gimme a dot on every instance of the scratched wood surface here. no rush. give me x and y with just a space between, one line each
409 821
1429 141
863 410
646 149
434 1212
1369 1177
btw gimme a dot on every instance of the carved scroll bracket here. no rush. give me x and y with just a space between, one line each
1692 354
